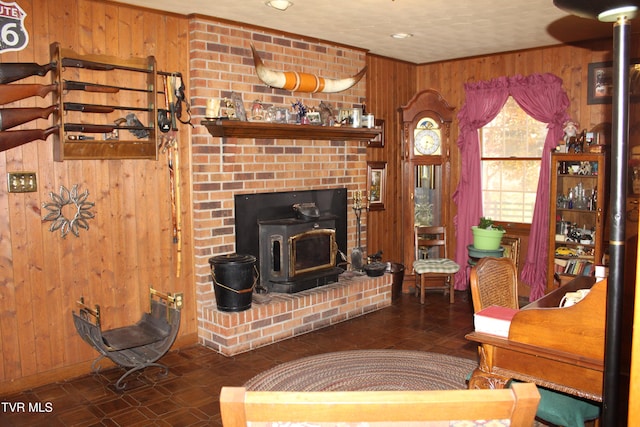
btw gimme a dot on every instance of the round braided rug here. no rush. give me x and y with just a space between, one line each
367 370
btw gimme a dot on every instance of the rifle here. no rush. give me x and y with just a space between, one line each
15 138
139 131
11 117
12 93
95 108
96 87
12 71
100 66
16 92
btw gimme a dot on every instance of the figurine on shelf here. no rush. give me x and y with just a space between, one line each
574 141
300 109
585 168
326 114
257 110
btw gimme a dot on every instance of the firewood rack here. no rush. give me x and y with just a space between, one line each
137 346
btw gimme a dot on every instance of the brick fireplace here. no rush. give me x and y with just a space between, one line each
225 167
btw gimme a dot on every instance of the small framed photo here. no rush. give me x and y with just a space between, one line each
280 115
350 117
376 184
600 82
314 118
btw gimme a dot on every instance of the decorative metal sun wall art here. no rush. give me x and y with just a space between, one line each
75 202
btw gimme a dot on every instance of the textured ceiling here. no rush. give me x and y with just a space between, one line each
442 29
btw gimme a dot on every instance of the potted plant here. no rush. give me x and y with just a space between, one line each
487 235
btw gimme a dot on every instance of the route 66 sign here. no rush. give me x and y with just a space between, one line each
13 35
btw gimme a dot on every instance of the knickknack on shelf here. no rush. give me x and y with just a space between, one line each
265 130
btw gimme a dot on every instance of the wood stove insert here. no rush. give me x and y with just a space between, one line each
294 253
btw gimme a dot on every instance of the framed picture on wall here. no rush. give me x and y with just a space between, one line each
600 82
376 184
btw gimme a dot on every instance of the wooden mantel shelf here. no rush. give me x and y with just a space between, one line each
265 130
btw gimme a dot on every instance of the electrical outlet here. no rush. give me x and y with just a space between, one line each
22 182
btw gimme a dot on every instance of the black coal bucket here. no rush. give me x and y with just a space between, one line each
397 270
234 278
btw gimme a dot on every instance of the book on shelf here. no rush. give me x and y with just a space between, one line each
494 320
577 267
559 265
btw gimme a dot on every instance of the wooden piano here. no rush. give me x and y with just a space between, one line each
557 348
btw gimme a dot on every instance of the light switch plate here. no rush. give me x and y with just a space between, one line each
22 182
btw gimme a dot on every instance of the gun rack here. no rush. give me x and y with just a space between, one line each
99 99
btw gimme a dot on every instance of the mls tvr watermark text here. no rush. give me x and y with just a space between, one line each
26 407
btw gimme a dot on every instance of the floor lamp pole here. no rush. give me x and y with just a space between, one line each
617 215
620 12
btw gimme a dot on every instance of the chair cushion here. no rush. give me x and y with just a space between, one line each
435 265
564 410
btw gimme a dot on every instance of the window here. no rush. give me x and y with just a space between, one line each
511 148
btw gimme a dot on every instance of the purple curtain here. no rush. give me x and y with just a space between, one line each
484 102
543 98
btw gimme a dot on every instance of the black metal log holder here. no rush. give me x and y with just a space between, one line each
137 346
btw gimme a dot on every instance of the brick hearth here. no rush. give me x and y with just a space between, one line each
288 315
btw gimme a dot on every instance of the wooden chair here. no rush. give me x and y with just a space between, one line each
238 407
494 281
432 263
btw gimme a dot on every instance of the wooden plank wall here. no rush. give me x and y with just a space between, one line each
567 61
390 84
128 246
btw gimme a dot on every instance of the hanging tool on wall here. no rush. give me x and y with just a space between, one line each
166 118
177 85
174 99
177 201
167 123
133 125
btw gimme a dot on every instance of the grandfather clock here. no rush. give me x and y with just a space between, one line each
426 174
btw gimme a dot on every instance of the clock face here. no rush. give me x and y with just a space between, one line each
427 142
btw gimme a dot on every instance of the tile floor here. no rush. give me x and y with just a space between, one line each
188 396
